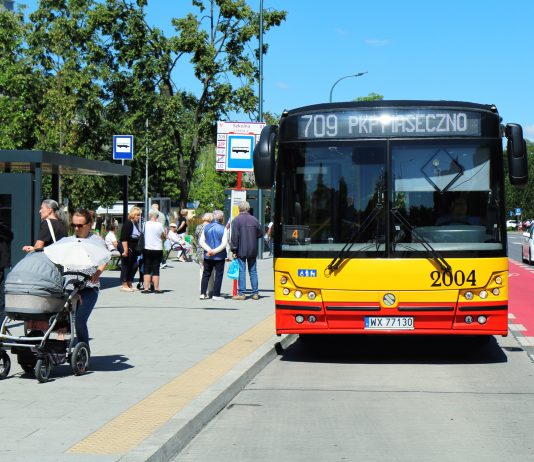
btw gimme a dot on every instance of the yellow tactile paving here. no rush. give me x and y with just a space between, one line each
127 430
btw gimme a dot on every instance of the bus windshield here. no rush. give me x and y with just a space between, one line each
336 192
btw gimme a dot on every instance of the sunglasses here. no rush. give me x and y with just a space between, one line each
79 226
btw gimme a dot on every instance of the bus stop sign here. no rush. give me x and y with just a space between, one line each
235 145
122 147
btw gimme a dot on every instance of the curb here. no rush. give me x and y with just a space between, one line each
169 440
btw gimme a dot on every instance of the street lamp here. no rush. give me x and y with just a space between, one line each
346 77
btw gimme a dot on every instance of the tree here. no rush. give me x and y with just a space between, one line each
20 86
71 58
218 45
96 68
370 97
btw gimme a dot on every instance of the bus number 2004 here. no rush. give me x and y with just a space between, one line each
448 278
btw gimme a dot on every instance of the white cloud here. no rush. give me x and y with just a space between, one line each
529 132
282 85
342 32
377 42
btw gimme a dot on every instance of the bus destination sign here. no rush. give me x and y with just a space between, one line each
388 123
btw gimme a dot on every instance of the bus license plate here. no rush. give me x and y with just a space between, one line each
388 323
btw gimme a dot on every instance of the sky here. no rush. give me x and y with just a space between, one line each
462 50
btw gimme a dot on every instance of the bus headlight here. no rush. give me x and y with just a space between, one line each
283 280
496 291
312 295
483 294
297 294
498 280
299 318
312 318
468 295
482 319
468 319
285 291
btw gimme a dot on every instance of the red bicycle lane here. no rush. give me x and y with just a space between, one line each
520 300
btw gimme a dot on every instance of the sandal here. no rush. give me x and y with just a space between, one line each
158 291
145 291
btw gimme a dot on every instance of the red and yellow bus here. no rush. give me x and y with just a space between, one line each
389 217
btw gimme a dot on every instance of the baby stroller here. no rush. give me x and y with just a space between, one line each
36 296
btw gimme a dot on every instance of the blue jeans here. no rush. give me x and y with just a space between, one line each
242 281
89 297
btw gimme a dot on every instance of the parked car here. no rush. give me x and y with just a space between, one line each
511 224
527 248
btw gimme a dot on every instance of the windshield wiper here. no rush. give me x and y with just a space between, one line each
434 254
342 254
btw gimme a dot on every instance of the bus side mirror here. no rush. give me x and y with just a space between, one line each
264 157
517 155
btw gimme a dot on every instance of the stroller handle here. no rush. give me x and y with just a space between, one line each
81 278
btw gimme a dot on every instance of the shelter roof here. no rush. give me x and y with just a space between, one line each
54 163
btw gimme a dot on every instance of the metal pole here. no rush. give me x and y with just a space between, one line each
260 109
146 172
346 77
260 119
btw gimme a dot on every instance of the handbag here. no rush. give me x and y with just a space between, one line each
233 270
140 243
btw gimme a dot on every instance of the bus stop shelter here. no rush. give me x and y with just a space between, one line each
21 184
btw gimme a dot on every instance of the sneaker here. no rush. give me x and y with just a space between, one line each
203 297
239 297
255 297
217 298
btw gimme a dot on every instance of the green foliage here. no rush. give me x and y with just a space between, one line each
19 85
370 97
208 185
82 70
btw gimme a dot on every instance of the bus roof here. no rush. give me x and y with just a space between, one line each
393 104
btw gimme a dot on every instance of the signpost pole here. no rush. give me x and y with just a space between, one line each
239 180
146 173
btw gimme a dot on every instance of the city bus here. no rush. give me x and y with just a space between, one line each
389 217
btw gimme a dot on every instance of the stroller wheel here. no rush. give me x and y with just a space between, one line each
79 359
5 365
43 367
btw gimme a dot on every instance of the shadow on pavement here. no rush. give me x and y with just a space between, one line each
110 363
107 282
395 349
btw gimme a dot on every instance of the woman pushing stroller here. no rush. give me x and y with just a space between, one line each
81 222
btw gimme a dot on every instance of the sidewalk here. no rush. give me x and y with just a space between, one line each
157 361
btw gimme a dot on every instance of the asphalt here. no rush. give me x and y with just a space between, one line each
162 366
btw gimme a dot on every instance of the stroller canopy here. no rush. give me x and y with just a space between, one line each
35 274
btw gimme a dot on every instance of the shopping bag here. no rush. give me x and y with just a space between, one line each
233 270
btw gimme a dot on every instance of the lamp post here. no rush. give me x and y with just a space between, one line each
346 77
